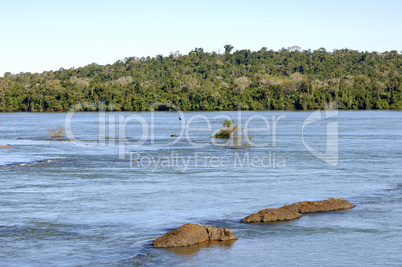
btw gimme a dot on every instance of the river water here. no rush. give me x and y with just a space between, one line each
101 199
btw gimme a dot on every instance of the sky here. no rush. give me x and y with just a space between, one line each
37 36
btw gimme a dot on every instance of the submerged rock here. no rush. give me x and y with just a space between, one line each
296 210
190 234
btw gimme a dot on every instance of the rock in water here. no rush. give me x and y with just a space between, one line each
219 234
188 234
191 234
330 204
272 215
296 210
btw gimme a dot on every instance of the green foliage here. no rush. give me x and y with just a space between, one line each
228 123
228 131
235 134
289 79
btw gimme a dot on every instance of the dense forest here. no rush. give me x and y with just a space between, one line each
289 79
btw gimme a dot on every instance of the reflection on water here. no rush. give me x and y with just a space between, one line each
189 250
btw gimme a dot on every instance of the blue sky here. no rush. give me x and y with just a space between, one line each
36 36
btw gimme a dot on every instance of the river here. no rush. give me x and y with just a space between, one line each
122 180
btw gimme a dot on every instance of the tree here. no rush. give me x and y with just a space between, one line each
228 49
263 79
241 83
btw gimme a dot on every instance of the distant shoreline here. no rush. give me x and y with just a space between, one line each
143 111
288 79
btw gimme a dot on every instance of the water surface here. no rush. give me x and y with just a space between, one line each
64 204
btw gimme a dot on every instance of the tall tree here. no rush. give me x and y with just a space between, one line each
228 49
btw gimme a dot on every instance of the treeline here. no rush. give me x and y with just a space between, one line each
288 79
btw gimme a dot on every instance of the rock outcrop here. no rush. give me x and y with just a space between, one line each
331 204
191 234
296 210
273 215
219 234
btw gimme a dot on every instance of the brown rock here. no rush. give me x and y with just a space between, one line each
191 234
331 204
219 234
188 234
296 210
272 215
